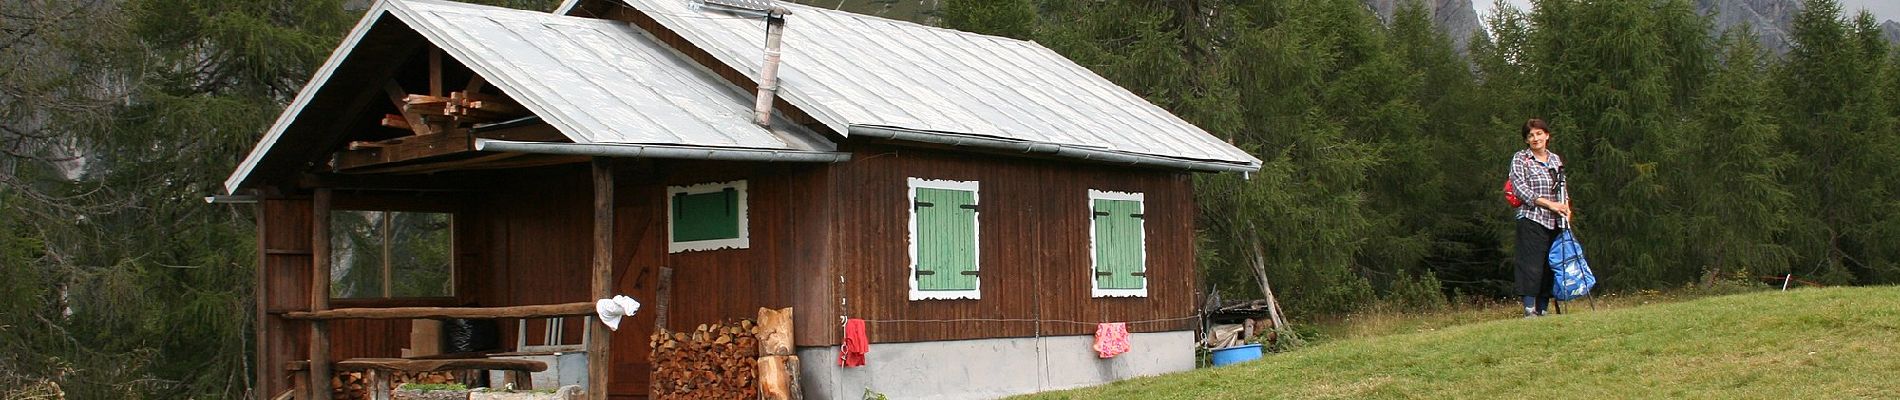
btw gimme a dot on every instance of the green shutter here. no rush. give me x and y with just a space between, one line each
1118 244
706 216
946 239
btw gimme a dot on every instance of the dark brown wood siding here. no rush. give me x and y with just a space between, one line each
1034 247
533 229
283 228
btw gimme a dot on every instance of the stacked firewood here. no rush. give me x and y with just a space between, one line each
714 361
356 384
449 112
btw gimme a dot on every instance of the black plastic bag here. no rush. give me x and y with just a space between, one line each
470 335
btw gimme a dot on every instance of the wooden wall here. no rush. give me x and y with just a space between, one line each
533 227
1034 243
283 279
524 240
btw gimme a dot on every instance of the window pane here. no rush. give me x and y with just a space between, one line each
356 254
419 261
706 216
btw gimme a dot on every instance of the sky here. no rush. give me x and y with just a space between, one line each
1883 9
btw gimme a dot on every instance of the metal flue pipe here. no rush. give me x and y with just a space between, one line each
768 71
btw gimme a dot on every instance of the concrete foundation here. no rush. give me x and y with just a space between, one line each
989 368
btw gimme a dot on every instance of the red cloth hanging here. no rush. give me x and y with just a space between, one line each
856 344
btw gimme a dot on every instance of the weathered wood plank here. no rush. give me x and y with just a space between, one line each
599 348
403 149
536 311
408 365
397 98
320 293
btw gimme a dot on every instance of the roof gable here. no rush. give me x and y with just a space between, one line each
596 81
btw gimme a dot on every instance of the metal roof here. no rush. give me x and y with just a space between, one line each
850 70
596 81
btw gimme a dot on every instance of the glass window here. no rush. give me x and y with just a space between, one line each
391 254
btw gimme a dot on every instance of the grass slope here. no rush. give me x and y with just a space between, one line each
1821 343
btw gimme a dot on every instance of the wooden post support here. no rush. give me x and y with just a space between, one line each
261 371
320 293
598 362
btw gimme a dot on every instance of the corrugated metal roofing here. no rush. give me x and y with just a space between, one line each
595 81
852 70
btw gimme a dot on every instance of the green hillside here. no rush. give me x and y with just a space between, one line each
1821 343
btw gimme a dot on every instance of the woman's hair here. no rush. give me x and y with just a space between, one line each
1534 123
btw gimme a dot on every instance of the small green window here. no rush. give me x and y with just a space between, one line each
1118 264
707 217
943 240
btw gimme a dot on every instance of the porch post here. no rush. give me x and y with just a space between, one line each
601 339
320 293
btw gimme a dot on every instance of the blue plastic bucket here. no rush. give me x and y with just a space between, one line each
1236 354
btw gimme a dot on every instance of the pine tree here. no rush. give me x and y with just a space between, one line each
1838 131
1731 165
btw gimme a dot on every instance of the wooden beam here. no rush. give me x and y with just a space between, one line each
408 365
261 372
477 162
475 84
396 121
527 133
435 71
396 97
600 346
535 311
320 293
403 149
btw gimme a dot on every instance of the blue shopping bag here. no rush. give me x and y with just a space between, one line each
1573 278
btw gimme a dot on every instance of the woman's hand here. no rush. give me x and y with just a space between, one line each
1559 207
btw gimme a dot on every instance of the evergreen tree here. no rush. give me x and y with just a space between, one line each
1730 168
1601 75
1007 18
1838 130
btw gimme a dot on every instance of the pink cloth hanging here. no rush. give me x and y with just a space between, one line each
856 344
1111 338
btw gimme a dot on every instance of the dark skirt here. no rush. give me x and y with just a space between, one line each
1534 276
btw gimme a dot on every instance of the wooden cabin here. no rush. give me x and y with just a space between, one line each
981 203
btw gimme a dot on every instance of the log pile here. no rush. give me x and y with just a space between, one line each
458 108
714 361
357 384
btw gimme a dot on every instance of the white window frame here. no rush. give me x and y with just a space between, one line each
745 221
1095 290
975 292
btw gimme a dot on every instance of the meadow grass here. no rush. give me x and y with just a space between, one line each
1813 343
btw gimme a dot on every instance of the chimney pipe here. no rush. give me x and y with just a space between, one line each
768 72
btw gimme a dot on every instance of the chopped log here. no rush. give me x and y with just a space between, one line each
539 311
423 99
775 331
395 121
778 378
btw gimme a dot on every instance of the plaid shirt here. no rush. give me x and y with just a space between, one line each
1534 180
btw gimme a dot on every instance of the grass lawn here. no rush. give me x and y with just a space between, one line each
1816 343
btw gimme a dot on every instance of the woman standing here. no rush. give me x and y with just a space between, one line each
1537 177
